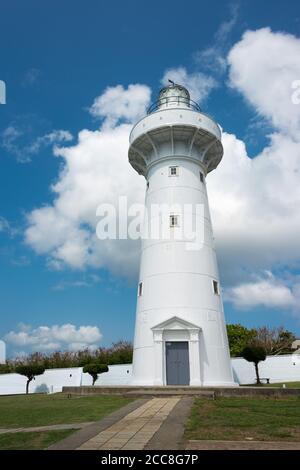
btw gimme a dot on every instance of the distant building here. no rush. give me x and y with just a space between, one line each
296 344
2 352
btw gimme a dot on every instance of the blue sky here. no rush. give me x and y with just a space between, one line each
57 59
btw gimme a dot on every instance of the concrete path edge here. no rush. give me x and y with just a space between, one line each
170 435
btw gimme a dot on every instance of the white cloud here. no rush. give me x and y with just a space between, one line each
4 224
117 103
254 205
263 66
260 196
56 337
88 281
254 201
6 227
267 292
96 170
11 141
52 138
198 84
213 57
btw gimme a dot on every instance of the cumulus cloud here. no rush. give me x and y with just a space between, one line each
254 201
198 84
96 171
263 67
56 337
261 195
118 103
254 204
267 292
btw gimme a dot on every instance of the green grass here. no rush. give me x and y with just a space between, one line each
287 384
32 440
263 419
277 385
42 410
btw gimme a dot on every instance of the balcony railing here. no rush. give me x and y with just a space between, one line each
172 101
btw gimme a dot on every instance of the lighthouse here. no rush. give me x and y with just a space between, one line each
180 333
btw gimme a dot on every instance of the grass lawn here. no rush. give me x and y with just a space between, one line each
277 385
32 440
287 384
41 410
236 418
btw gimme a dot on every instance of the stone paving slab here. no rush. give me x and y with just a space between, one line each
170 433
87 433
242 445
135 429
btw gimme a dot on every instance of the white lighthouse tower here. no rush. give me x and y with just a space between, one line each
180 333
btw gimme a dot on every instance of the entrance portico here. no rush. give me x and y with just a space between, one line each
165 335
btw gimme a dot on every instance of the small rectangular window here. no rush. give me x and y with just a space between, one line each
201 177
174 220
147 184
216 287
140 289
173 171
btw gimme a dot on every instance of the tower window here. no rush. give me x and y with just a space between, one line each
201 177
147 184
216 287
140 289
174 220
173 171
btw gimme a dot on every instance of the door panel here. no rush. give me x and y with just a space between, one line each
177 363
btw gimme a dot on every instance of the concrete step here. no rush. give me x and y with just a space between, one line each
209 392
163 393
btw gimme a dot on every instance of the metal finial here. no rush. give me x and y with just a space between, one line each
171 81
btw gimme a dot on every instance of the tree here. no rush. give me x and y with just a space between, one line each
30 371
274 340
94 369
239 337
120 353
5 368
254 354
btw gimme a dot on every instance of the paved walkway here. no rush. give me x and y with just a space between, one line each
134 430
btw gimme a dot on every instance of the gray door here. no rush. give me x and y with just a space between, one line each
177 363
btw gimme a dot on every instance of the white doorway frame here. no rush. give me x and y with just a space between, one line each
176 329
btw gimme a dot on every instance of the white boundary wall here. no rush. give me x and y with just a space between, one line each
53 380
285 368
277 368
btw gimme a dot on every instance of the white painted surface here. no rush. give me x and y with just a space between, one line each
53 380
119 374
278 368
2 352
177 282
